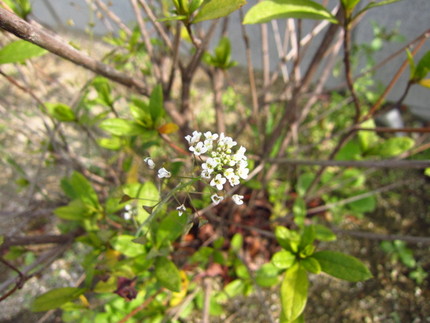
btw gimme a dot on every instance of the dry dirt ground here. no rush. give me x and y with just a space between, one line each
390 297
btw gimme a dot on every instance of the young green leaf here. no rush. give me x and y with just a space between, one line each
171 227
78 187
311 264
167 274
294 292
236 242
19 51
55 298
74 211
342 266
217 8
307 237
267 275
156 107
422 68
366 204
287 239
268 10
323 233
283 259
299 211
350 4
60 111
392 147
121 127
21 7
124 244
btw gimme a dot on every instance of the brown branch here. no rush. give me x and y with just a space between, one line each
390 163
394 130
347 66
42 239
386 237
39 36
19 283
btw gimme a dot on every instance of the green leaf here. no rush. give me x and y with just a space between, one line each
366 204
283 259
267 275
55 298
1 240
323 233
113 143
21 7
311 264
287 239
299 211
350 151
156 108
303 183
422 68
350 4
392 147
121 127
171 227
167 274
294 292
236 242
367 139
215 9
78 187
307 237
342 266
74 211
266 11
60 111
146 195
19 51
124 244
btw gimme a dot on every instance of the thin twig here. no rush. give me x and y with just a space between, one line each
347 66
251 76
390 163
158 27
113 16
207 288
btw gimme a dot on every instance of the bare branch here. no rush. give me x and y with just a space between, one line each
39 36
390 163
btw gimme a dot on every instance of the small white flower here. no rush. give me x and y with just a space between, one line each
243 172
149 162
193 139
163 173
216 199
199 149
238 199
181 209
218 181
206 173
127 216
210 136
234 180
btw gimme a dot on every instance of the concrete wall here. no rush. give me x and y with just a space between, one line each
412 15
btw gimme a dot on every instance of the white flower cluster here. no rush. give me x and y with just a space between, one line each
222 164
